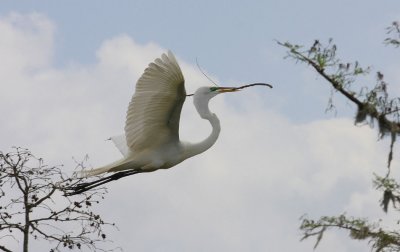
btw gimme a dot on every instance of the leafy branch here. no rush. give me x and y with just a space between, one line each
374 106
359 229
394 31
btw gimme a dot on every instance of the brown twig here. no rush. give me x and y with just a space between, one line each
245 86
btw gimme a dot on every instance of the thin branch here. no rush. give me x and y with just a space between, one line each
36 196
242 87
5 249
15 173
44 197
321 71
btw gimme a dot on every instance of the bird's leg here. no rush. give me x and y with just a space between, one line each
83 187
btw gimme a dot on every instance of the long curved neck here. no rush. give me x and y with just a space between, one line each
197 148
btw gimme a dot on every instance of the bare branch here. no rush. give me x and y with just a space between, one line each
38 210
5 249
48 196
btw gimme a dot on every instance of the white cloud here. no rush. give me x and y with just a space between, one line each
26 42
245 194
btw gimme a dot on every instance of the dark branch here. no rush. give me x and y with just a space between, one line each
359 229
335 84
45 197
5 249
375 105
35 189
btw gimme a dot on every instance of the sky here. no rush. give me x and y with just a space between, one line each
68 70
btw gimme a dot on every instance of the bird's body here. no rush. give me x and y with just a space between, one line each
151 140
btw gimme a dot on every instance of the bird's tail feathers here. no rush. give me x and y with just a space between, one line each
94 172
115 166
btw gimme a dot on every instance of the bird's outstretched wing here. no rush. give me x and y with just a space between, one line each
154 111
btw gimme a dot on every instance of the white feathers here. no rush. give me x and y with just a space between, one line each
152 120
154 111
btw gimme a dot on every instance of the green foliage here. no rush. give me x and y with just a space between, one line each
394 31
374 106
358 228
391 191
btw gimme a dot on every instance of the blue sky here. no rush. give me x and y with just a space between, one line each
225 36
69 69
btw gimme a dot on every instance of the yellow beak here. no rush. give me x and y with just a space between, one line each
227 89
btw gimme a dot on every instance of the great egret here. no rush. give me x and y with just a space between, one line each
151 140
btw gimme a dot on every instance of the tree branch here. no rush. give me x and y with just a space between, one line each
376 104
40 201
36 197
5 249
336 85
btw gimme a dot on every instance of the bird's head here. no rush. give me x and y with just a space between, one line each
206 93
203 95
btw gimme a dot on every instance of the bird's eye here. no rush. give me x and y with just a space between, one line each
212 89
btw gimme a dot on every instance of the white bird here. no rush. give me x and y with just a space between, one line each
151 140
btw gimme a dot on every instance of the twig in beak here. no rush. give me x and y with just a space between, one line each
242 87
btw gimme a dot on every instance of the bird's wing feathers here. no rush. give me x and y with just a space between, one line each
154 111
